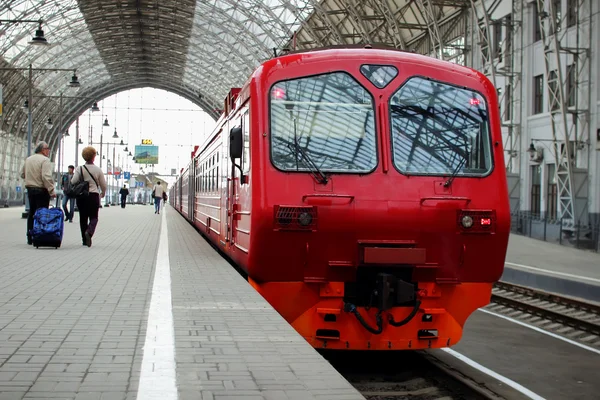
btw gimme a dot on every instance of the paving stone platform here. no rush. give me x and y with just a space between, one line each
553 267
73 321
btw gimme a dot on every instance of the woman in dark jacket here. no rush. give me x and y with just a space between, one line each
89 205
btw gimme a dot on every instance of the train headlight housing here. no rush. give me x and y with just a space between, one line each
476 221
304 218
299 218
467 221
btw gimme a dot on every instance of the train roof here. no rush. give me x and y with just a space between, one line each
377 52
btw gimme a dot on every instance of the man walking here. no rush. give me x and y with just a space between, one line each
66 186
124 192
157 192
37 172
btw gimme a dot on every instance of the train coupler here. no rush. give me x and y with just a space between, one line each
391 291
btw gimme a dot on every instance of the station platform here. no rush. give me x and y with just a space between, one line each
553 268
551 368
150 311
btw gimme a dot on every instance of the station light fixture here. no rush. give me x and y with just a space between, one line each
39 38
74 81
49 123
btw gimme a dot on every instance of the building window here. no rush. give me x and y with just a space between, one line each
552 192
571 13
509 35
571 85
485 47
536 178
507 103
554 92
556 15
537 31
498 40
538 94
499 94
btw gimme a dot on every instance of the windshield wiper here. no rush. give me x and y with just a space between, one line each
319 176
455 172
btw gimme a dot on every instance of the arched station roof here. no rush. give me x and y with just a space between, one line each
197 49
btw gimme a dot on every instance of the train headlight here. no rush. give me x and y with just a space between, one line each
304 218
467 221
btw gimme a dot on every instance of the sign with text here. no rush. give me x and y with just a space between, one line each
146 154
147 141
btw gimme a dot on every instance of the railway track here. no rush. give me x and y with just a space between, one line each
569 317
415 375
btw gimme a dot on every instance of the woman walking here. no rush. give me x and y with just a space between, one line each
89 206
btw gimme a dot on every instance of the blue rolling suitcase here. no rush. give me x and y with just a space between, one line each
48 227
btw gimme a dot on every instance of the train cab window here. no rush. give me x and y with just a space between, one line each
379 75
324 121
439 129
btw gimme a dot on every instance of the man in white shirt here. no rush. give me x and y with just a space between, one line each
37 172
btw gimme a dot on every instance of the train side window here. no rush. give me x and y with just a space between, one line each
246 131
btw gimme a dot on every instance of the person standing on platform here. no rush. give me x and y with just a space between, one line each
124 192
37 173
157 192
66 185
88 206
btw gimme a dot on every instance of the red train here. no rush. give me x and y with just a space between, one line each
362 190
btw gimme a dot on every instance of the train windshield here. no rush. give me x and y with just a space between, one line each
439 129
324 123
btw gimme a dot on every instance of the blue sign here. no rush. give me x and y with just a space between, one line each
18 188
118 176
139 184
127 175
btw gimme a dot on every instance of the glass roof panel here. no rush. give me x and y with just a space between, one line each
70 42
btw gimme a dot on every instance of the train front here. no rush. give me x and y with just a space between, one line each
385 213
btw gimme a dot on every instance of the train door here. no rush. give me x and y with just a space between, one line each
179 194
191 190
242 198
234 177
231 192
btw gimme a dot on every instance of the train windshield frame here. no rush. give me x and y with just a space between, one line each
439 129
323 123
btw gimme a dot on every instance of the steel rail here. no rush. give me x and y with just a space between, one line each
416 375
545 312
